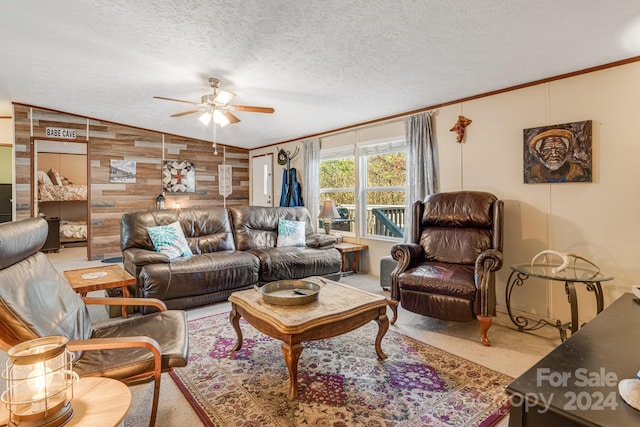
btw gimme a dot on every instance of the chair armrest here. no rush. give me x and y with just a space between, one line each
408 255
140 257
122 342
488 261
112 343
154 302
320 241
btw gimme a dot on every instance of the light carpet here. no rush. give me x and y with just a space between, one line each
341 381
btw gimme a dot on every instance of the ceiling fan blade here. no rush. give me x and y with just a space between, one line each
231 117
251 109
176 100
184 113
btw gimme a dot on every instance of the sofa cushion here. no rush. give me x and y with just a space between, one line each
257 227
169 240
290 233
206 229
198 275
296 263
454 245
440 278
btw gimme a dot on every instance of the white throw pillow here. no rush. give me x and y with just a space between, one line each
169 240
43 178
291 233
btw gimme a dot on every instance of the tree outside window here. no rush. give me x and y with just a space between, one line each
383 168
338 183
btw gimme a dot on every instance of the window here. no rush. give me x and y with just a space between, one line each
382 185
338 183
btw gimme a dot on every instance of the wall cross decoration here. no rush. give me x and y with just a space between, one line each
460 127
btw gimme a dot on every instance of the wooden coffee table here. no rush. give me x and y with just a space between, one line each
82 280
338 310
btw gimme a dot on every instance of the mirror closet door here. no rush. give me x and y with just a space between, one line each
61 192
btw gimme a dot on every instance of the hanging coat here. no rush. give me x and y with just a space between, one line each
291 190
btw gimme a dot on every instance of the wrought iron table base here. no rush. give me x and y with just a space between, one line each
523 323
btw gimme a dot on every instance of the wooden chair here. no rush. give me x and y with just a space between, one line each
37 301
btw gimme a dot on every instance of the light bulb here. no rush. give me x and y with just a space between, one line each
39 382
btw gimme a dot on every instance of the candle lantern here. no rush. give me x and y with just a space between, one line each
39 382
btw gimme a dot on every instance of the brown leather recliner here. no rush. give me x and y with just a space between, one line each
37 301
448 269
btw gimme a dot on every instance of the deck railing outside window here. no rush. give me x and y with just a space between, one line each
381 220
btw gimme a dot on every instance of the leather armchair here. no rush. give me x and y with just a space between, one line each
448 269
37 301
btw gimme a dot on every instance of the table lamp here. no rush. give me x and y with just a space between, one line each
328 212
39 382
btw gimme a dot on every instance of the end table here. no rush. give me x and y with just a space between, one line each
99 278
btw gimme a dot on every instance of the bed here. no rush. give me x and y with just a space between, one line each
61 193
72 230
59 198
53 187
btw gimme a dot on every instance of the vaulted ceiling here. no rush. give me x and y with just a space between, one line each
322 64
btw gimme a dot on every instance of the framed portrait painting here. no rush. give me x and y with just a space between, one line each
558 153
178 176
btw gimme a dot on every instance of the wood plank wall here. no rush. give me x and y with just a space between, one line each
107 141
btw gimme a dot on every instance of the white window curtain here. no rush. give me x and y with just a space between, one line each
311 191
421 171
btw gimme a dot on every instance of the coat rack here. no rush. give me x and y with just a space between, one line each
290 186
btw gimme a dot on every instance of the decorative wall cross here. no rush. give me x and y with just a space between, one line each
460 126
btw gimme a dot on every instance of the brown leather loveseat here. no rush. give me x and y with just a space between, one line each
232 248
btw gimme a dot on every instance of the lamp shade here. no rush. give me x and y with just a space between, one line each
328 210
223 97
220 118
205 118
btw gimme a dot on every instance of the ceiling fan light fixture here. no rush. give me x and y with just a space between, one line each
223 97
220 118
205 118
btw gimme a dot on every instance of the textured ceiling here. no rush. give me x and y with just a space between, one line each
322 64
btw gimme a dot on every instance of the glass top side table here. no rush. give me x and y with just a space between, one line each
590 276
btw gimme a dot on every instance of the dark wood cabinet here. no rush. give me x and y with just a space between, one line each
577 383
52 244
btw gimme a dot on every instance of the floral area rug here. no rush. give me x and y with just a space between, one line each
341 381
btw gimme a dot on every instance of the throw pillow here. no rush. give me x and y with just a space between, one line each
291 233
169 240
64 180
43 178
55 177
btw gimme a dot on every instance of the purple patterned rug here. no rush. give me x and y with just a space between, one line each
341 381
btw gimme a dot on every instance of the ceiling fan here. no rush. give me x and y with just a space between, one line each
216 106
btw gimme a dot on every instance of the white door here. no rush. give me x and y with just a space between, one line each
262 180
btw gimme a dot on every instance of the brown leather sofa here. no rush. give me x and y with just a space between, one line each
255 230
448 269
233 249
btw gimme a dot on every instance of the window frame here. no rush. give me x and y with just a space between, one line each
341 153
367 149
